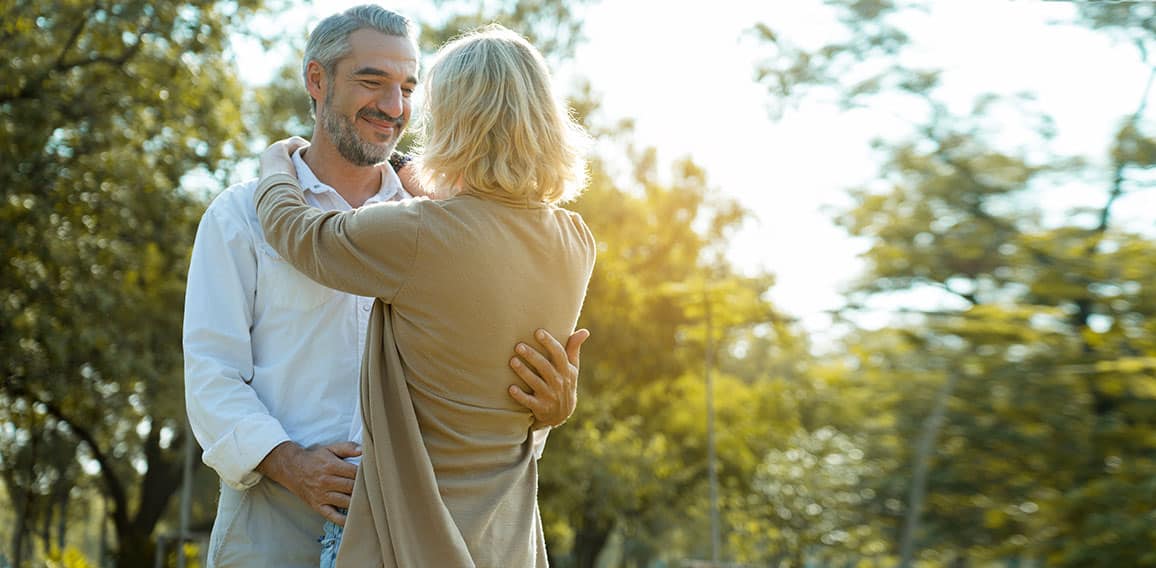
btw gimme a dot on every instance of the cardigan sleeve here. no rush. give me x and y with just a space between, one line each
369 251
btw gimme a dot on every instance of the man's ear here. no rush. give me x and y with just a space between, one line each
315 78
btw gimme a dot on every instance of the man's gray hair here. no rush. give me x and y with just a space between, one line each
329 41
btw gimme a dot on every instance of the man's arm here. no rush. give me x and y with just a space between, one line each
228 419
242 440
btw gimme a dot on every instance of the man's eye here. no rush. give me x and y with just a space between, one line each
407 92
371 84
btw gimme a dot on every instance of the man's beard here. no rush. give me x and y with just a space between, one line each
350 145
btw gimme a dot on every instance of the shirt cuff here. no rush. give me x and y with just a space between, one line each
236 455
538 438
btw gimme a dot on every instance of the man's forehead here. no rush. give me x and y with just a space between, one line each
372 49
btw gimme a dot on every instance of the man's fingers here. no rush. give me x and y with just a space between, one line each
574 345
340 500
343 470
334 484
524 372
524 399
345 449
332 514
551 345
536 363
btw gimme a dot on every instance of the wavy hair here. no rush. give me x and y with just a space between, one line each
492 125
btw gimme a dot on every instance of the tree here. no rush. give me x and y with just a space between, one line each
108 108
632 461
1041 345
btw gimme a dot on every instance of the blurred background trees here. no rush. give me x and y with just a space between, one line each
1039 370
105 109
1011 424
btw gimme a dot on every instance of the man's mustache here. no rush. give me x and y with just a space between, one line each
378 115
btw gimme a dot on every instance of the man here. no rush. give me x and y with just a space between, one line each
272 359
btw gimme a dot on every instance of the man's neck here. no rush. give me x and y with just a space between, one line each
356 184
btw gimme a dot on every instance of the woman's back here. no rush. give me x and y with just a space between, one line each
448 476
484 274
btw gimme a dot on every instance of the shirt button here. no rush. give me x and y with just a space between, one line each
365 307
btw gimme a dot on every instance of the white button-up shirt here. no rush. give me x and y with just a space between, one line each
270 355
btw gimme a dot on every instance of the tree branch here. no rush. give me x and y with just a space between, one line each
115 489
976 209
34 88
967 297
1118 179
72 39
160 481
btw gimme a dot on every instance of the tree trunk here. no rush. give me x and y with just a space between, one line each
922 459
46 525
62 499
638 554
23 498
590 539
135 549
20 498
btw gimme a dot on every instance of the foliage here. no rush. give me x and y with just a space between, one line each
815 490
108 108
553 27
1031 374
68 558
1037 352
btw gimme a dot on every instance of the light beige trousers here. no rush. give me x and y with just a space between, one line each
262 527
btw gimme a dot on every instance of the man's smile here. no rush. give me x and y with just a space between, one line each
384 127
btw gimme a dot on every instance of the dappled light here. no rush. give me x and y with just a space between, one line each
902 317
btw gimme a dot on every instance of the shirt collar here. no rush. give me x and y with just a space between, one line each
391 189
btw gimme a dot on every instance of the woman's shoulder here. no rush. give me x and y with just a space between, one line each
574 220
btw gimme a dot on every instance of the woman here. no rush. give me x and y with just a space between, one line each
447 476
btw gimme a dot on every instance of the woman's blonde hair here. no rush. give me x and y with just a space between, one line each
491 124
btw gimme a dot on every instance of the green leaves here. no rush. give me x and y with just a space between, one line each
111 107
1043 319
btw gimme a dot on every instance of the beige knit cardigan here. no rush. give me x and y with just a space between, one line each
447 477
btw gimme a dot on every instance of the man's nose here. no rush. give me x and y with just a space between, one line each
391 102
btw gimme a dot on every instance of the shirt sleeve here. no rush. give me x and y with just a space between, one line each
538 440
229 421
369 251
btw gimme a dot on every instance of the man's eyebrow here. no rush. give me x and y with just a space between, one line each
382 73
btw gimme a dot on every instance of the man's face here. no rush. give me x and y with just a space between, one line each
367 101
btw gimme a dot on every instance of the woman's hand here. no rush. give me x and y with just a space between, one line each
278 157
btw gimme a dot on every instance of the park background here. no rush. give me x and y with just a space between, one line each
909 243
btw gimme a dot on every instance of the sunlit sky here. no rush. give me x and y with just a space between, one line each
684 72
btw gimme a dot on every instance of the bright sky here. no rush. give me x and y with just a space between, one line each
684 72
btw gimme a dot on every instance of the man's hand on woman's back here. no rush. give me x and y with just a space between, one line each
552 378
